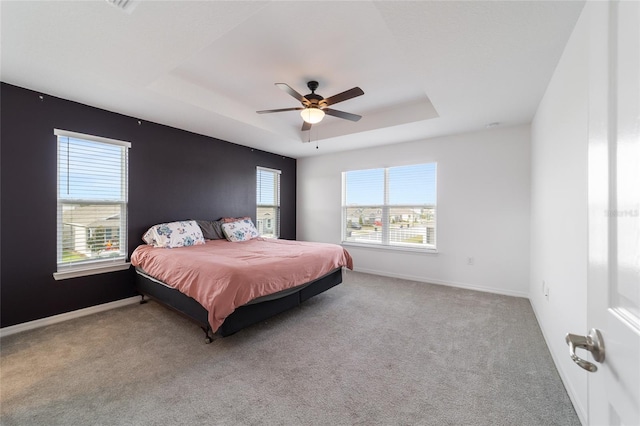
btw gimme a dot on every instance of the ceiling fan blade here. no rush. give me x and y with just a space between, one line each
267 111
341 97
293 93
342 114
306 126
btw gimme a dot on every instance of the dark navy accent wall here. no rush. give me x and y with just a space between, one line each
173 175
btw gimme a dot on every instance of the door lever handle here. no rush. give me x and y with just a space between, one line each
592 342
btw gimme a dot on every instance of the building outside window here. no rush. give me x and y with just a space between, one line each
393 207
268 202
92 204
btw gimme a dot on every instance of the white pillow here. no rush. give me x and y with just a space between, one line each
241 230
174 234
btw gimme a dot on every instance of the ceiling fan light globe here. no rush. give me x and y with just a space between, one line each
312 115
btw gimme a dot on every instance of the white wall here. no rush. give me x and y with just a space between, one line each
559 209
483 208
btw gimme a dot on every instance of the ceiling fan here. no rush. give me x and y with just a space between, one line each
314 106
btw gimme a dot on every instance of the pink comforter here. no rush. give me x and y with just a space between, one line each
222 275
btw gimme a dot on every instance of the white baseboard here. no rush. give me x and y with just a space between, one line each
447 283
580 409
18 328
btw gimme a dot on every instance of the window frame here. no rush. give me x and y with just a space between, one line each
66 270
277 174
385 212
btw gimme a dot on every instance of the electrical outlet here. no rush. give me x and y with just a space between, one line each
546 293
470 261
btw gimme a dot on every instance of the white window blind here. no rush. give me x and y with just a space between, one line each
393 207
268 202
92 204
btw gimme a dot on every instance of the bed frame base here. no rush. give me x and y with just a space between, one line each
209 336
243 316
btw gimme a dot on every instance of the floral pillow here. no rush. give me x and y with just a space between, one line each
174 234
240 230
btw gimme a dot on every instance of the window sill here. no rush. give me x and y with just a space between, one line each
391 248
90 270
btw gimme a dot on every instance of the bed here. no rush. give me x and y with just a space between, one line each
225 286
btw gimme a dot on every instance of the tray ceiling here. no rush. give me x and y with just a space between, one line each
427 68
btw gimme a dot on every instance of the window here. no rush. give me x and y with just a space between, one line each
268 202
92 204
391 207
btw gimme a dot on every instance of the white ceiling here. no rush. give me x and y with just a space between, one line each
428 68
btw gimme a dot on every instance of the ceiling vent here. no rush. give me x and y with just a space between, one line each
124 5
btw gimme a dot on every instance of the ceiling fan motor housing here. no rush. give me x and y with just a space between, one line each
314 100
312 97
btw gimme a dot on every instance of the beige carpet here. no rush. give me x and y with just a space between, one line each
371 351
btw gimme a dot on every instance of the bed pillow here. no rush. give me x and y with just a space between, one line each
211 229
233 219
174 234
240 230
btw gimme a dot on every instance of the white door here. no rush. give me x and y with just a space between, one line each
614 211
